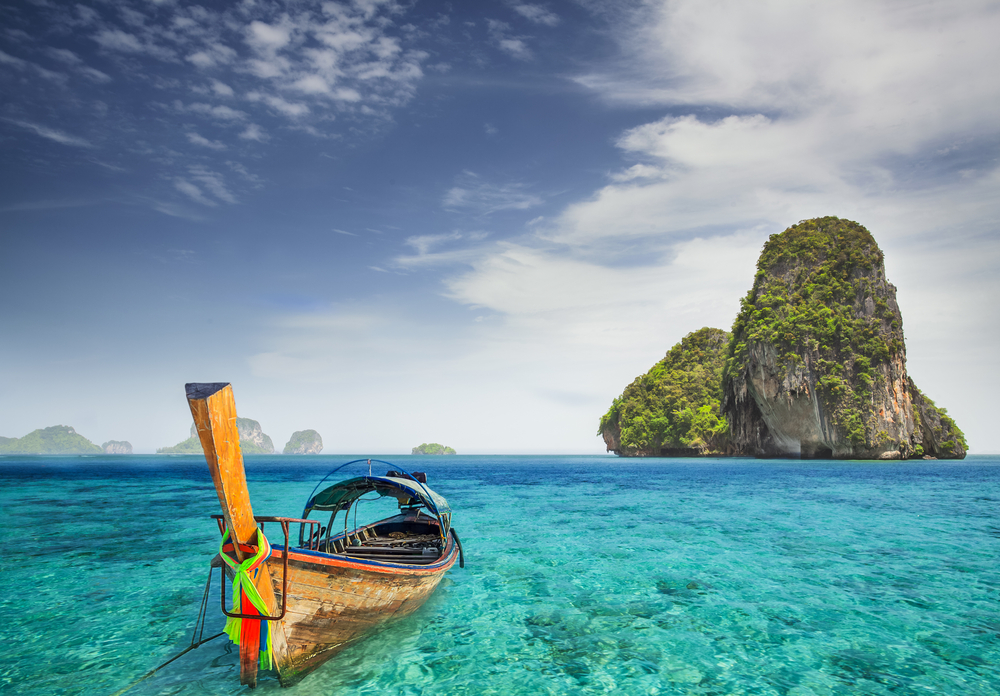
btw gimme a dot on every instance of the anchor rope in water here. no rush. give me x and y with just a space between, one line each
202 611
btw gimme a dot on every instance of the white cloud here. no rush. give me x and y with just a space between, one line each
63 55
280 105
21 64
220 112
51 133
254 132
199 183
537 14
93 74
311 84
222 89
482 198
214 182
500 37
125 42
268 38
192 192
205 142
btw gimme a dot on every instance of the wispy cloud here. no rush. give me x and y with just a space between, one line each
51 134
500 36
214 182
322 69
219 112
254 132
202 141
31 67
536 13
193 192
442 250
474 195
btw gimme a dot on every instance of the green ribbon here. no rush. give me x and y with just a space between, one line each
243 586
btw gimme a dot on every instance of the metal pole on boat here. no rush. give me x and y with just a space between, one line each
213 408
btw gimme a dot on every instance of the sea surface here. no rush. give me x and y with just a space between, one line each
583 575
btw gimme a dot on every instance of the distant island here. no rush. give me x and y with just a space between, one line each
304 442
815 367
252 440
117 447
432 448
56 439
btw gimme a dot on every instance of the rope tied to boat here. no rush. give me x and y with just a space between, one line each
197 640
246 598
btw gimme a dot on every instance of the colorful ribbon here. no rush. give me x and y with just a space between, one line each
246 599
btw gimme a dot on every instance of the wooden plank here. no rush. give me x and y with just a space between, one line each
213 408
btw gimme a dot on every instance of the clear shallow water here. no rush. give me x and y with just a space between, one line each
583 575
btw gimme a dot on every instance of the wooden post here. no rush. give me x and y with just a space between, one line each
213 408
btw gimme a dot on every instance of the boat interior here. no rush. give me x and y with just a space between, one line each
412 539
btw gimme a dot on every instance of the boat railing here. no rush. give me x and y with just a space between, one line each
260 519
310 541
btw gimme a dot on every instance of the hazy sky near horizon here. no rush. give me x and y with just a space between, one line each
469 223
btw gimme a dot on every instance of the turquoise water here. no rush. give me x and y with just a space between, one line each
583 575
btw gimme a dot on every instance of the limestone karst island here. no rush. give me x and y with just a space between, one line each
814 367
253 440
304 442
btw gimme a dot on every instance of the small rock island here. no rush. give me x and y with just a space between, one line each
304 442
252 440
432 448
117 447
815 367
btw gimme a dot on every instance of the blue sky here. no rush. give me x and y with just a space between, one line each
470 223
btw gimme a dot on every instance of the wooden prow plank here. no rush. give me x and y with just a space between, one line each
213 408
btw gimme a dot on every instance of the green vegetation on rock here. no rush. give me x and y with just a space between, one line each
676 406
190 446
432 448
56 439
940 436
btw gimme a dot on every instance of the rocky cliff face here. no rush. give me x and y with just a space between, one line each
117 447
817 365
304 442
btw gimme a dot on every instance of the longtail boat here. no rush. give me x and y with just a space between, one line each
296 606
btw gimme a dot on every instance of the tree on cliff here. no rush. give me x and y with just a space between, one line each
675 408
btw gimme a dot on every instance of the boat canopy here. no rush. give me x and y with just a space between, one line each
406 491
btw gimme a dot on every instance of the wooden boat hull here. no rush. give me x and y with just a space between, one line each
334 601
